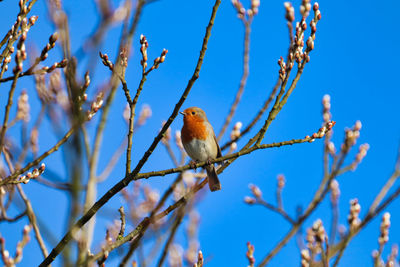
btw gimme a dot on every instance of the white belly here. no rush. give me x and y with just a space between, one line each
201 150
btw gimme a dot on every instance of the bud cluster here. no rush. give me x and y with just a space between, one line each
335 191
143 49
106 61
22 7
289 12
34 140
321 132
281 181
151 198
250 254
362 152
23 107
385 224
61 64
200 260
242 12
235 134
167 135
32 175
178 140
6 257
326 108
105 247
313 26
282 68
175 256
316 236
21 50
353 217
52 42
96 105
305 8
144 115
257 195
32 20
83 96
351 136
391 261
159 60
296 52
123 55
305 258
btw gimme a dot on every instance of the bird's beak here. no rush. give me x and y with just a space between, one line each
183 113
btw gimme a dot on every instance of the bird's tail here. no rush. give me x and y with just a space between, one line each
213 180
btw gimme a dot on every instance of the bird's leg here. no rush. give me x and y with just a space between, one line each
192 165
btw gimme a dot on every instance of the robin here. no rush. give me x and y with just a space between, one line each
200 143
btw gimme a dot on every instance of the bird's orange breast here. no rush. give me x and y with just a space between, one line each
193 128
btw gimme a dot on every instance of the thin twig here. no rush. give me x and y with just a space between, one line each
32 219
335 220
112 162
277 210
171 153
122 229
7 111
385 189
132 107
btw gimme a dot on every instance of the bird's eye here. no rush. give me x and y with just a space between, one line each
193 112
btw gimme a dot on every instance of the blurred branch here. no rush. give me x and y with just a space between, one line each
142 226
178 220
243 81
257 117
32 218
29 211
388 185
10 178
9 104
277 210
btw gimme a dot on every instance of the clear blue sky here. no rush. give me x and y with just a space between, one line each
355 61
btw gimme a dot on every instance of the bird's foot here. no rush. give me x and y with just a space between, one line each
192 165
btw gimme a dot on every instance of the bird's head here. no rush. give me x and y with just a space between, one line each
194 114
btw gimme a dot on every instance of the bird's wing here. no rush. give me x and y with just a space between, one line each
219 153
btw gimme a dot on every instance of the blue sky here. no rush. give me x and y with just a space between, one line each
355 61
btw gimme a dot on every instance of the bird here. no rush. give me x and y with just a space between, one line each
200 143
